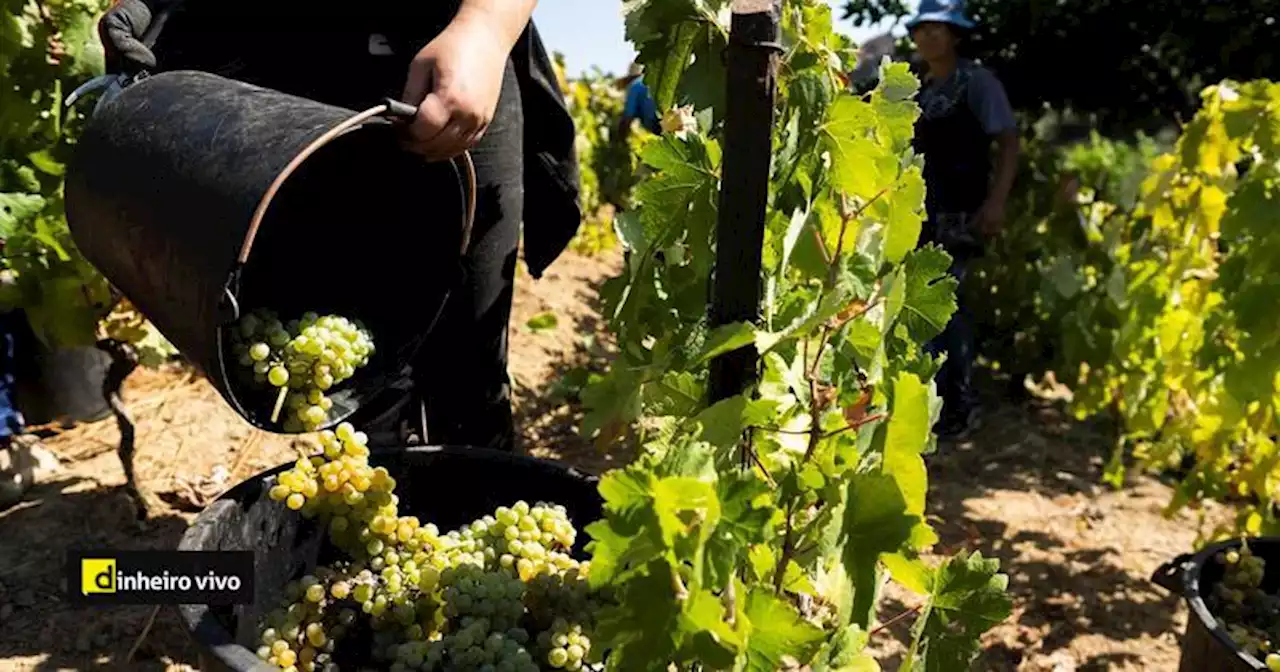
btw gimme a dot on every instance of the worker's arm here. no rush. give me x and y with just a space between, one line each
1007 148
989 102
455 81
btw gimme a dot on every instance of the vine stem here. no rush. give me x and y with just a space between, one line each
677 584
895 619
815 405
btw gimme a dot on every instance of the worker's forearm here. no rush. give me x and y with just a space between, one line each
506 18
1006 167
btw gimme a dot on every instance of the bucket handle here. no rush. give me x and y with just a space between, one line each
389 107
1169 575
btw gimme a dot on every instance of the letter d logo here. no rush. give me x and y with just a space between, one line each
97 575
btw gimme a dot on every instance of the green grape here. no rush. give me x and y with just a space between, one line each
278 376
434 601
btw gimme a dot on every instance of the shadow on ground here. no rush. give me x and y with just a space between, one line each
549 415
1027 489
39 629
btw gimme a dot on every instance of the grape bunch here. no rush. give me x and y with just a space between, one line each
302 360
1252 616
302 633
501 594
564 645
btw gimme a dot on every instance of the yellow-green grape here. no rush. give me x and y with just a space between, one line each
1273 662
278 376
306 357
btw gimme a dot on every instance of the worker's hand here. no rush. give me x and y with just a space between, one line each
455 82
121 29
990 217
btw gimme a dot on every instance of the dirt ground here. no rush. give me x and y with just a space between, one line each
1026 489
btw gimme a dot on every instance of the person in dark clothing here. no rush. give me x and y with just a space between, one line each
964 110
482 82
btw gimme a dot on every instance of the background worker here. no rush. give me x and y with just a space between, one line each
964 110
481 80
639 105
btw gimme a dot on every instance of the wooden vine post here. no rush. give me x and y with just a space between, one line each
751 63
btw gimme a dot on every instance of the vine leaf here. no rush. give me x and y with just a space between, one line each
644 625
613 400
897 84
906 435
724 422
777 631
746 520
677 393
876 521
901 213
17 208
929 298
860 166
722 339
966 597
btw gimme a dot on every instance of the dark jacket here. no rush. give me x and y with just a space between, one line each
552 210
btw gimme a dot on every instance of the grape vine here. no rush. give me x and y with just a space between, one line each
606 164
46 50
1181 341
717 566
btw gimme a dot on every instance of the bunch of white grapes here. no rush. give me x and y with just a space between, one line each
1251 614
302 359
501 594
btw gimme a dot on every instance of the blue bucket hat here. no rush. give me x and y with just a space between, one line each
941 11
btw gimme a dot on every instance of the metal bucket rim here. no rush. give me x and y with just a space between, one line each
210 633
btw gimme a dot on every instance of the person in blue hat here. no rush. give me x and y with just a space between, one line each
964 111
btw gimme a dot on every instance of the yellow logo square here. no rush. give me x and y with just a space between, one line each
97 575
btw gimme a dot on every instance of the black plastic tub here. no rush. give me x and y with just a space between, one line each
1207 647
66 385
448 486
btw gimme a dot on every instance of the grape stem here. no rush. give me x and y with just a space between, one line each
275 412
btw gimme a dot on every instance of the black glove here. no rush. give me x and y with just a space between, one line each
123 30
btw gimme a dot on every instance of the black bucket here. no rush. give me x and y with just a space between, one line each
200 197
1207 647
448 486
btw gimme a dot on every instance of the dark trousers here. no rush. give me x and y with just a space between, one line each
955 234
461 371
958 343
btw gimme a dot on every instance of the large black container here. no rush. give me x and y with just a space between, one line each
1207 647
447 486
200 197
